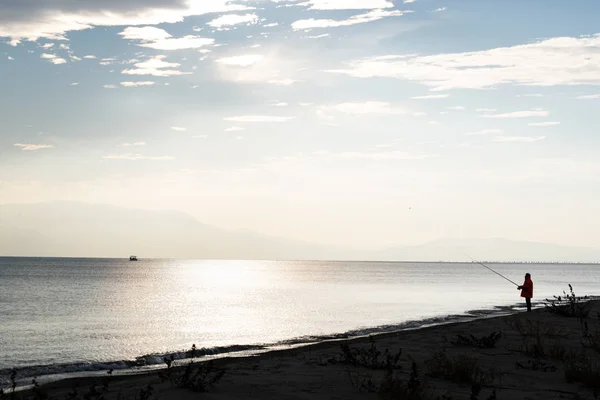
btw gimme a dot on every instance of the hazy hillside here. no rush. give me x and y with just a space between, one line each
493 250
77 229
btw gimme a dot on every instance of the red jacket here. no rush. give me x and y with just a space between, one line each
527 289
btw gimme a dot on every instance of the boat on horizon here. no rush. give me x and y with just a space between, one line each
133 258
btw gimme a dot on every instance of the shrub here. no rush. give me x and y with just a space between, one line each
369 358
569 305
583 369
198 377
393 388
460 369
484 342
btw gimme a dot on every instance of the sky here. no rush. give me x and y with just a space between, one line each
365 123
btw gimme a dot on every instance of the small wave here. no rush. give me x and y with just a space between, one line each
157 360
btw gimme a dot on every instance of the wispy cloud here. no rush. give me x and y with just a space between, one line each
33 147
456 108
178 129
136 84
589 97
234 129
440 9
370 16
375 155
110 86
53 58
258 118
282 82
519 114
486 132
241 61
135 157
23 20
134 144
229 20
431 96
544 63
368 107
159 39
155 66
519 139
346 4
549 123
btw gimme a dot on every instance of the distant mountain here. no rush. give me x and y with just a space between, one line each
495 249
73 229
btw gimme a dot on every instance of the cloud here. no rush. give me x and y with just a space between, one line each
550 62
519 114
10 58
159 39
234 129
134 144
282 82
53 19
33 147
110 86
90 57
136 84
346 4
155 66
318 36
370 16
409 1
518 139
531 95
135 157
485 110
365 108
75 84
226 21
549 123
241 61
589 97
53 58
271 25
178 129
456 108
440 9
486 132
377 156
431 96
258 118
200 136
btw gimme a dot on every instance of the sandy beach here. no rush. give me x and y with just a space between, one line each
537 355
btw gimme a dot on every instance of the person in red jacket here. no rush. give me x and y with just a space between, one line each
527 291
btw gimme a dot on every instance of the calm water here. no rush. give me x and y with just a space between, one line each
81 313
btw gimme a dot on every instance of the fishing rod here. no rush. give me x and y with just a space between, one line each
483 265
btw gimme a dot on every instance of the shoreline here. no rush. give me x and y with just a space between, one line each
153 362
315 370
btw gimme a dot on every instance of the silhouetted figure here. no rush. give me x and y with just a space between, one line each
527 291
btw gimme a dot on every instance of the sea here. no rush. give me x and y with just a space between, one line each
66 317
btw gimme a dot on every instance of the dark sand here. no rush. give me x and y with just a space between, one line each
309 373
